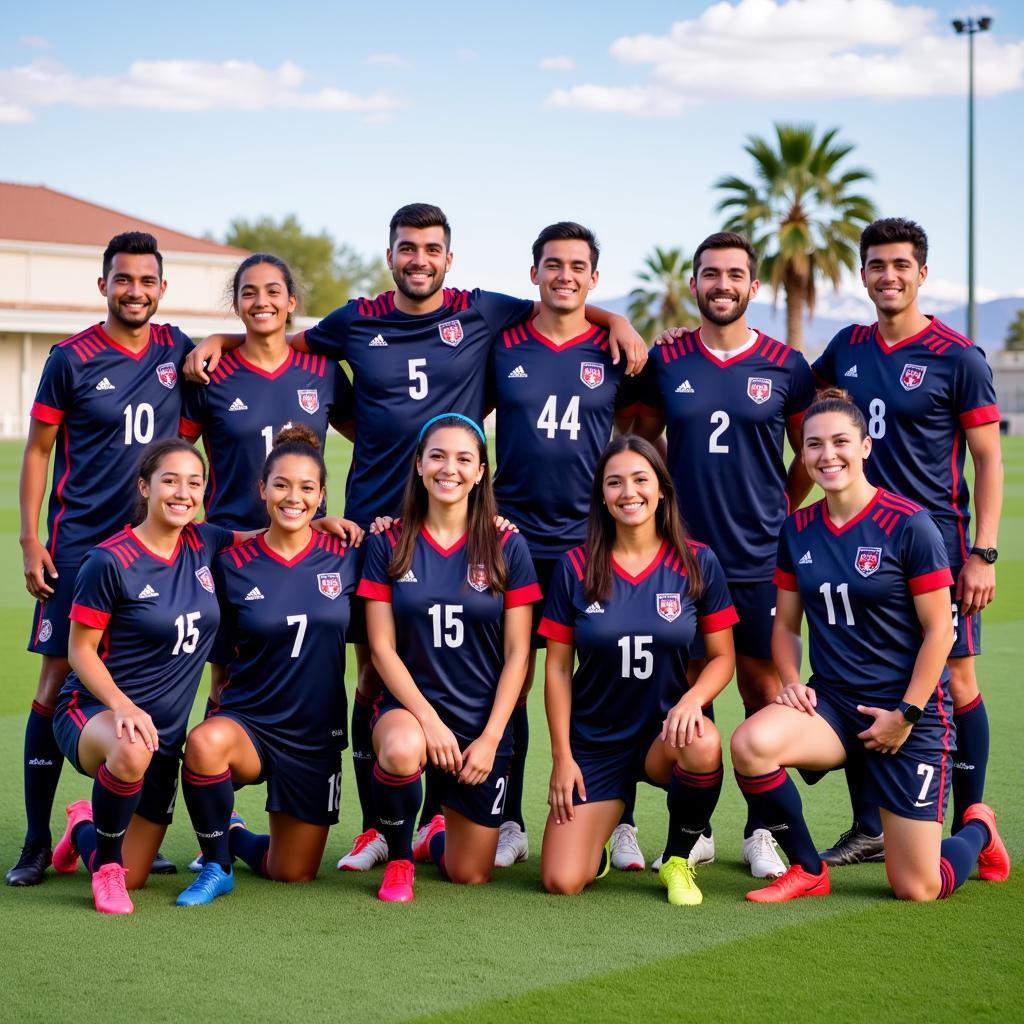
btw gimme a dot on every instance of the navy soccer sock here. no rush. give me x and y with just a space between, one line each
84 838
437 852
959 854
431 799
866 816
43 762
397 798
209 799
250 848
775 800
513 810
630 808
362 757
971 758
691 800
113 804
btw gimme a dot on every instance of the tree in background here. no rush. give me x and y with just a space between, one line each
664 300
1015 333
330 273
800 213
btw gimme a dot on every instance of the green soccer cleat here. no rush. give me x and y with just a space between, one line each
678 878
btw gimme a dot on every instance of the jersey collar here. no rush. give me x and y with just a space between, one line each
839 530
261 540
634 580
108 340
443 552
152 554
709 355
587 335
269 374
914 338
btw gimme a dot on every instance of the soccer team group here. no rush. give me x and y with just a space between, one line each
653 567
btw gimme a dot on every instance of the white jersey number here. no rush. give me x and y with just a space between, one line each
876 418
448 629
843 591
417 379
637 660
188 633
138 423
300 634
715 447
570 422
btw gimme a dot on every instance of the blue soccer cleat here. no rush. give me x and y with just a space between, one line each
213 881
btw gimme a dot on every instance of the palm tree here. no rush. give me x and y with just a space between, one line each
1015 334
664 300
801 214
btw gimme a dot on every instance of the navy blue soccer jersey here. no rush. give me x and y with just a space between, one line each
110 403
726 424
919 397
159 617
285 622
238 415
407 369
449 624
556 407
857 583
632 648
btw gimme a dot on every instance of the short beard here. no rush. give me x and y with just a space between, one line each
417 296
717 318
132 324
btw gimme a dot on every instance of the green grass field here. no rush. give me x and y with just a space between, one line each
507 952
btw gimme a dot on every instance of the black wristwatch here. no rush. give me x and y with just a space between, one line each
911 713
987 554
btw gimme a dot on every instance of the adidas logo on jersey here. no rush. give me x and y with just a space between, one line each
379 342
254 595
147 591
238 406
851 372
806 559
105 385
408 578
518 372
594 608
686 388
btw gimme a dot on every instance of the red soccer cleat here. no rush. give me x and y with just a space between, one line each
794 883
397 884
65 853
421 848
994 859
109 892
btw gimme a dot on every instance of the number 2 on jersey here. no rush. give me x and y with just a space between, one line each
548 420
716 447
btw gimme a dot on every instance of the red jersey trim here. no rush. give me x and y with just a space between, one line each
87 616
267 374
785 580
980 416
555 631
152 554
127 351
657 560
523 595
732 360
591 332
261 540
189 428
374 591
443 552
940 579
837 531
717 621
46 413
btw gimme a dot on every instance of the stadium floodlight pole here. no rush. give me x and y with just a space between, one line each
970 27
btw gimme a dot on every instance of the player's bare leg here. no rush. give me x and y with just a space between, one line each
468 857
572 851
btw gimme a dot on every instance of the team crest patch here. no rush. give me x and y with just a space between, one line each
205 578
476 576
309 400
451 332
912 376
45 630
167 374
592 374
669 606
868 560
759 389
329 584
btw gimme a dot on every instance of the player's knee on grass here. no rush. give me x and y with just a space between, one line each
466 874
915 890
561 880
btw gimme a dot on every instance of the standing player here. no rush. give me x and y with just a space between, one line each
928 398
414 353
282 714
104 393
630 604
144 616
729 396
557 396
448 616
869 570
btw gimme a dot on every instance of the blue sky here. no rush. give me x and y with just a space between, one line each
621 115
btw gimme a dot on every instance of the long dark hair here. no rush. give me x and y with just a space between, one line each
597 582
483 542
150 463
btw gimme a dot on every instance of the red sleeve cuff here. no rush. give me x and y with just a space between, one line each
189 428
786 580
716 621
374 591
46 413
938 580
555 631
87 616
523 595
980 416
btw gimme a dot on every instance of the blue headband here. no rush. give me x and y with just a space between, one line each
451 416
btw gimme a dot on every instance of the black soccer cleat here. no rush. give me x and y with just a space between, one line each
33 862
854 847
163 866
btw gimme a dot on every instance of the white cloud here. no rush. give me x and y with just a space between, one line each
561 63
183 85
825 49
385 60
14 113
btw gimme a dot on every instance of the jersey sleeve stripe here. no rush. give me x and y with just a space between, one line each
973 417
940 579
523 595
87 616
785 580
189 428
575 557
374 591
555 631
46 413
717 621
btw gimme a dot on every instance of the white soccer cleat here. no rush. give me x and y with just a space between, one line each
369 849
626 852
703 852
760 851
513 845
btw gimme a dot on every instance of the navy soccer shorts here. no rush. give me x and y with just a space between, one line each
752 635
966 628
611 773
483 804
51 626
